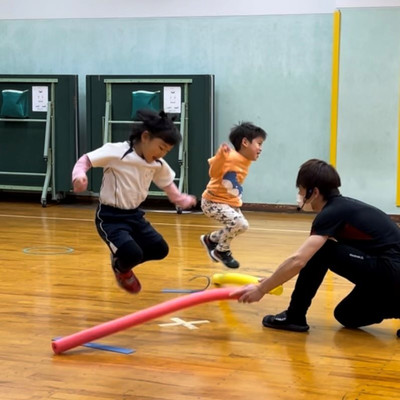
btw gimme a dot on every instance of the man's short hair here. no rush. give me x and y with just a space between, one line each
319 174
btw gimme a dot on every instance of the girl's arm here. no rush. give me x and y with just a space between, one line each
79 178
182 200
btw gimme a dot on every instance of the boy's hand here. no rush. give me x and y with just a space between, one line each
225 148
80 184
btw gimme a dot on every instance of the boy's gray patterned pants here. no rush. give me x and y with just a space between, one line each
232 218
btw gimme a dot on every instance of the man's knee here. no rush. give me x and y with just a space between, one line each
343 318
352 318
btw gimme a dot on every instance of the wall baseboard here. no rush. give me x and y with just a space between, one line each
160 203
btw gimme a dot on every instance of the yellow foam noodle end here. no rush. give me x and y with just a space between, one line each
277 291
240 279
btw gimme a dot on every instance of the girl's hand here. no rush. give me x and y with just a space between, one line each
186 201
80 184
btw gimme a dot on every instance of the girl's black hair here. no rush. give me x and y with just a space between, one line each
159 125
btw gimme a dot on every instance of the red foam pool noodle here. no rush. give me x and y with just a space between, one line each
139 317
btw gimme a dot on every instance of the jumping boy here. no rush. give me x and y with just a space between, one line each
222 198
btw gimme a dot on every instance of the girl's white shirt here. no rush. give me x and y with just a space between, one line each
126 181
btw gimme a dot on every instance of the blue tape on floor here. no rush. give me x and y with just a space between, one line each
105 347
109 348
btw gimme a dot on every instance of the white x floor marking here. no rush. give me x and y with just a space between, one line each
189 325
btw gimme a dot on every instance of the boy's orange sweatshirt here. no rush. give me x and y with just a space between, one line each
228 170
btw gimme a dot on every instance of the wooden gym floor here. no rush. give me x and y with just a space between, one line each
55 280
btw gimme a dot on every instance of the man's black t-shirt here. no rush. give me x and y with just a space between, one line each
357 224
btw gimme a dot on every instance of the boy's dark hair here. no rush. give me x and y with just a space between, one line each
159 125
319 174
245 130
